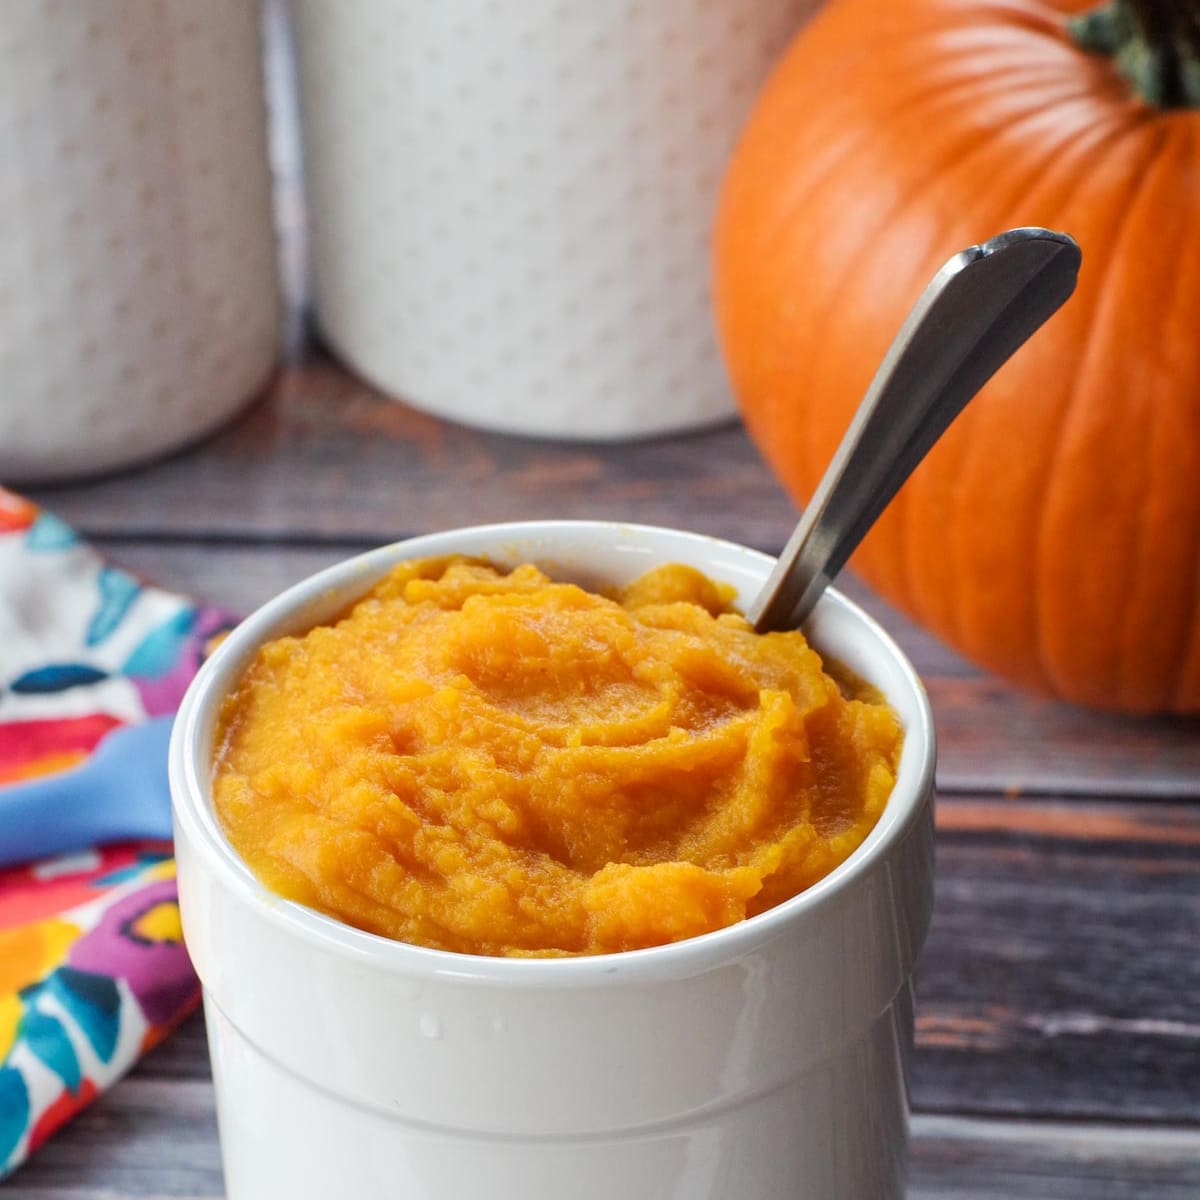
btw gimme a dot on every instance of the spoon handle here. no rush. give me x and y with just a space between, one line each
974 314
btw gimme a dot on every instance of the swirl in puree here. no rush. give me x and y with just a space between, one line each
491 762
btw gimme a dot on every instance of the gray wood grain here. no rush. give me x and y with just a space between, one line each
969 1159
324 454
1061 974
147 1137
149 1141
1056 1010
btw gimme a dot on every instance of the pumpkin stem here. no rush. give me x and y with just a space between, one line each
1154 43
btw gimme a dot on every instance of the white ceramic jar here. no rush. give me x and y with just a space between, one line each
511 202
138 298
769 1060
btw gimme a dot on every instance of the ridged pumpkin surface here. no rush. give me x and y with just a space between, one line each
1054 534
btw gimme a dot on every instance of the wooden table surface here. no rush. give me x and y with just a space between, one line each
1058 1027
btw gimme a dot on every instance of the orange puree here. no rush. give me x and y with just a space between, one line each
498 764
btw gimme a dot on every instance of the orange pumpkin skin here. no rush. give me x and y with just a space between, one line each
1054 534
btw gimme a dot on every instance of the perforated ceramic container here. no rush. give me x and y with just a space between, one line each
766 1061
511 202
138 298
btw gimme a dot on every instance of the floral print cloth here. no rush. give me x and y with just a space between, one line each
93 971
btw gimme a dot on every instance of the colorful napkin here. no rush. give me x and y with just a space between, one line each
92 966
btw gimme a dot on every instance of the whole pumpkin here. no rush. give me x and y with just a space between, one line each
1054 534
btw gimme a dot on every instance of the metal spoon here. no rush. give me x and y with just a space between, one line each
975 313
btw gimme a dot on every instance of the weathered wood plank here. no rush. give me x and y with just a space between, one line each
1060 976
1061 973
1058 985
970 1159
146 1138
325 454
149 1140
993 737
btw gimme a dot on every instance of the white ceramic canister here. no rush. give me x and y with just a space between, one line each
511 202
138 297
766 1061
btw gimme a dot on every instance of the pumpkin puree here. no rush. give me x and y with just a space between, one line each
498 764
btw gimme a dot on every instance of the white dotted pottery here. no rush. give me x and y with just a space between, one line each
511 203
138 298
